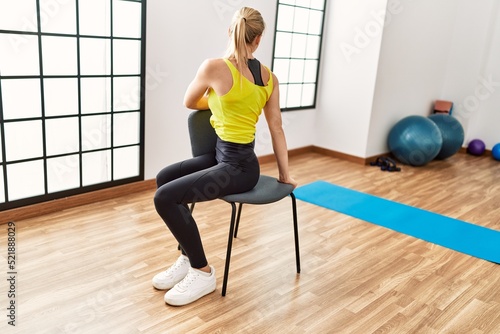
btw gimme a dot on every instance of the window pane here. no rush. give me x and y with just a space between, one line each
310 70
19 54
312 50
130 64
318 4
62 135
315 22
308 92
126 19
296 71
281 69
2 187
285 19
18 15
126 93
96 95
14 98
25 180
302 3
95 17
294 97
125 162
58 16
63 173
301 20
283 44
126 128
283 95
61 96
96 132
23 140
298 46
95 56
96 167
59 55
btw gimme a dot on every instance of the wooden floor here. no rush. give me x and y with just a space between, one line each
89 269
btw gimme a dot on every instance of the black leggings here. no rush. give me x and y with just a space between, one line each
232 168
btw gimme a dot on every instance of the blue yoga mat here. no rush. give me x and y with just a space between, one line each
455 234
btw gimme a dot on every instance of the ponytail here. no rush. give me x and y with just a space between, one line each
240 42
247 24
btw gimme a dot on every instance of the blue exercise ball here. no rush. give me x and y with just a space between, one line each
495 152
415 140
452 133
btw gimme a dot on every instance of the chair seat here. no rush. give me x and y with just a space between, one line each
267 190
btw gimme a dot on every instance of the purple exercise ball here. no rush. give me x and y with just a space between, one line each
476 147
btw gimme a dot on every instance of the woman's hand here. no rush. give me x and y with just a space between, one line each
288 180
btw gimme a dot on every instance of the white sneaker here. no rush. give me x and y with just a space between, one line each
194 286
173 275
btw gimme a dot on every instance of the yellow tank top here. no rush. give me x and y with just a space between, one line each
235 114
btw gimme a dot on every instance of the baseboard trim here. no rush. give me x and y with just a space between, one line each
35 210
264 159
338 155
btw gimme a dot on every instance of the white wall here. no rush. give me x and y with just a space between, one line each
487 126
180 35
473 73
351 45
413 64
369 77
435 50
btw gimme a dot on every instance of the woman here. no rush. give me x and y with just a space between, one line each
236 89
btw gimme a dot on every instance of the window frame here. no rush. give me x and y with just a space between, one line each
290 58
39 34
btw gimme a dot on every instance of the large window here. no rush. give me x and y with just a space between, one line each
297 48
71 97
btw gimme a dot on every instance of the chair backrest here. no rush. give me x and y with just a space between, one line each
201 133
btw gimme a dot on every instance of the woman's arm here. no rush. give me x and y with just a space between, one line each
272 113
196 93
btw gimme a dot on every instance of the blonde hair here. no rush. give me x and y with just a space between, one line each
246 25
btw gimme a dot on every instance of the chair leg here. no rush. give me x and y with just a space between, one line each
190 209
229 246
240 207
296 232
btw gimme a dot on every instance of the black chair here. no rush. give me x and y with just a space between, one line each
267 190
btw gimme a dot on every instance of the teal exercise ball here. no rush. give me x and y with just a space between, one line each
415 140
452 133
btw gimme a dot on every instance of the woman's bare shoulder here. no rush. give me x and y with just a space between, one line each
213 64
